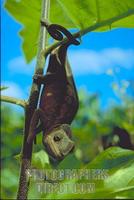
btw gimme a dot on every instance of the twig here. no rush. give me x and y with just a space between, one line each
32 104
91 28
13 100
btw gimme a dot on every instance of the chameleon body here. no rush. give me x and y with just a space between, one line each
58 104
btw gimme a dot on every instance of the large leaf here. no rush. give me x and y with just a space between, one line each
120 181
70 14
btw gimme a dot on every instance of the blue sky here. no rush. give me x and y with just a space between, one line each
101 59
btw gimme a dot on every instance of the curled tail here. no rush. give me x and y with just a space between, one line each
56 30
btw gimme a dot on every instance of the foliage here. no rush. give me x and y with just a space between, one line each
11 139
3 87
91 123
89 126
119 164
91 12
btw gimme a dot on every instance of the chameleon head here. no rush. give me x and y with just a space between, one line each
58 142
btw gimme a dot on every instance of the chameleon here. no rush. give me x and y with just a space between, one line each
58 103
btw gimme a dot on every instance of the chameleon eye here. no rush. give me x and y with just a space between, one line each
56 138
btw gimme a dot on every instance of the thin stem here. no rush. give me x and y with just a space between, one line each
32 104
92 28
13 100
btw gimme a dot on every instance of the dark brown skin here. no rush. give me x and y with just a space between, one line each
58 104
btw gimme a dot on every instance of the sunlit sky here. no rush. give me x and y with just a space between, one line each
100 59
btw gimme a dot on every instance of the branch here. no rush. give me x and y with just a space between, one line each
32 104
91 28
13 100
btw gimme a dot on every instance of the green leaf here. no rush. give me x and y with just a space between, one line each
40 160
119 164
111 158
70 14
3 87
28 14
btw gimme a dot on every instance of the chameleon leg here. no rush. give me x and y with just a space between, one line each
33 125
43 79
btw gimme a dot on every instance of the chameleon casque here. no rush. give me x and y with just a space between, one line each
58 102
